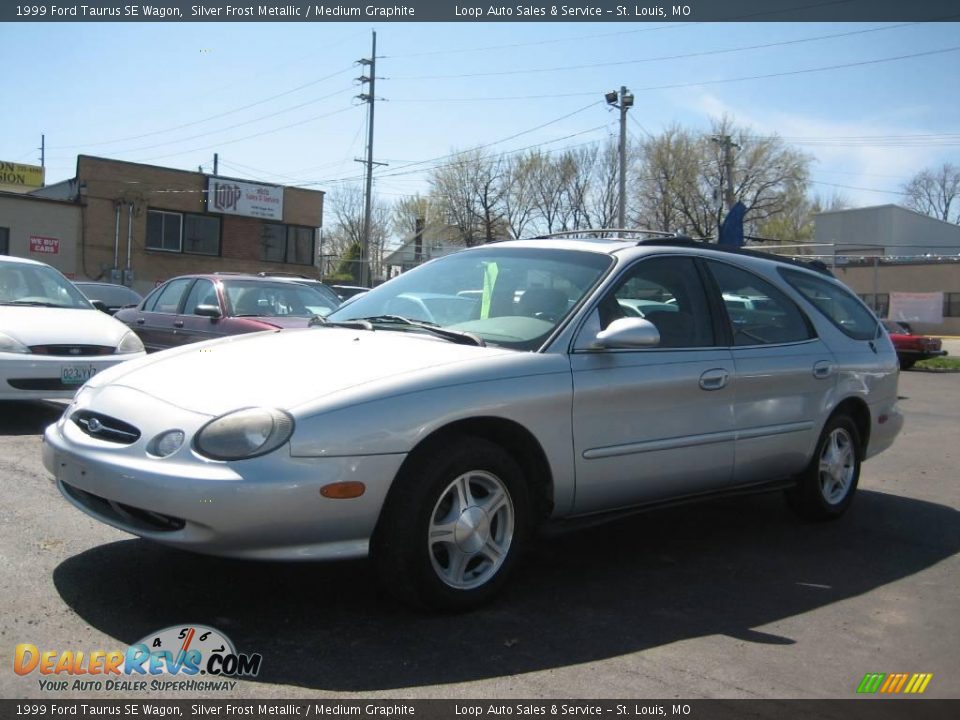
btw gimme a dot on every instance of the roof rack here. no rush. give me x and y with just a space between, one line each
607 231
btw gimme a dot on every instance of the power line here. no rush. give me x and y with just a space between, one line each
249 137
207 119
697 83
536 43
660 58
852 187
478 147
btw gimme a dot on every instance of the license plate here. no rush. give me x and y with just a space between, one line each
77 374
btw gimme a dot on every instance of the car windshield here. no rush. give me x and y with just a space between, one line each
511 297
38 286
257 298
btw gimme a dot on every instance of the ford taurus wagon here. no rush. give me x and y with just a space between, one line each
434 422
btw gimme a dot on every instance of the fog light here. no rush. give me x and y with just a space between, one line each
167 443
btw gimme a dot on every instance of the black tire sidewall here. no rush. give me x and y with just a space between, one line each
402 537
808 497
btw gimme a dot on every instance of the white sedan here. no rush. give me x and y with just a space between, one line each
52 339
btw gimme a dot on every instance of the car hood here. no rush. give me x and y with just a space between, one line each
287 368
33 325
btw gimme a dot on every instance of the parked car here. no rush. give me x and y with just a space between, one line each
52 339
348 291
436 439
333 298
110 296
191 308
912 348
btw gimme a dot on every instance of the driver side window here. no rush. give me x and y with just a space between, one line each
668 292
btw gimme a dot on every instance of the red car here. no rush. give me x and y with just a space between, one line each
912 348
191 308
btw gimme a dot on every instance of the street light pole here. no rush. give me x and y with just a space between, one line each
623 101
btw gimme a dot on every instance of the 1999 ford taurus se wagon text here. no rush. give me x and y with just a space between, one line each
435 421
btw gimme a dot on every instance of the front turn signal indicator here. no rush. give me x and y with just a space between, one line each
343 490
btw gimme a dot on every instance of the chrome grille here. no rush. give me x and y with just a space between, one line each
104 427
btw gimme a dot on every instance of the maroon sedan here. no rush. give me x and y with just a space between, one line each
912 348
191 308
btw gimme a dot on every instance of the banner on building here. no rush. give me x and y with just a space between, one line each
916 307
233 197
44 245
20 177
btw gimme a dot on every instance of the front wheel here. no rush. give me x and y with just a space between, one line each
827 486
452 526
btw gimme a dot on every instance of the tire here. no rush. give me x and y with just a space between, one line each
907 364
826 488
452 526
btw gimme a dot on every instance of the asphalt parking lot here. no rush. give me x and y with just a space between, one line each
733 599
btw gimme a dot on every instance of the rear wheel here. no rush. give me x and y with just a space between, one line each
452 526
827 486
907 364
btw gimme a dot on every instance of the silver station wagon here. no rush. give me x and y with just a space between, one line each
434 422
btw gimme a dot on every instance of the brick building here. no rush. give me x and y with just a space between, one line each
142 224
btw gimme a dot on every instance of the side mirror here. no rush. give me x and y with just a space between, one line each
210 311
100 305
628 333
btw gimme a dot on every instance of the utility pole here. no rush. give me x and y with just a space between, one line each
43 160
216 163
623 101
368 98
728 145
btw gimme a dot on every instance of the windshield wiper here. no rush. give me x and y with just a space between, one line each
34 303
367 323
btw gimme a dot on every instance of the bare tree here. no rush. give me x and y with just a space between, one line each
347 207
683 173
470 190
520 190
936 192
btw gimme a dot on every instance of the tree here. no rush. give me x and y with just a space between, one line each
470 190
936 192
795 224
682 176
347 207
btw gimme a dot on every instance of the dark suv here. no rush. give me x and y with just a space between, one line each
191 308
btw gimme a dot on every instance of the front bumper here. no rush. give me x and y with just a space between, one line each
38 377
268 507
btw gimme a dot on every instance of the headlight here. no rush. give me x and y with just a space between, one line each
244 434
130 344
12 345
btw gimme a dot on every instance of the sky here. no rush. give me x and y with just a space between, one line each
277 101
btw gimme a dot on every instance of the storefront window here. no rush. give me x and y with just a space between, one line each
273 242
300 245
201 234
164 230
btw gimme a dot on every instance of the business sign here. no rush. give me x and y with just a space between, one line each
44 245
21 176
233 197
916 307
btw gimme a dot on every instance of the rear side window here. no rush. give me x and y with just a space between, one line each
759 313
168 299
839 305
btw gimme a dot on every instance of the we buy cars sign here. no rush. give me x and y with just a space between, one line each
44 245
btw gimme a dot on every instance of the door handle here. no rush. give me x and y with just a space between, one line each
714 379
178 323
823 369
140 321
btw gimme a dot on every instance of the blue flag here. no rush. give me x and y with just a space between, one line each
731 231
